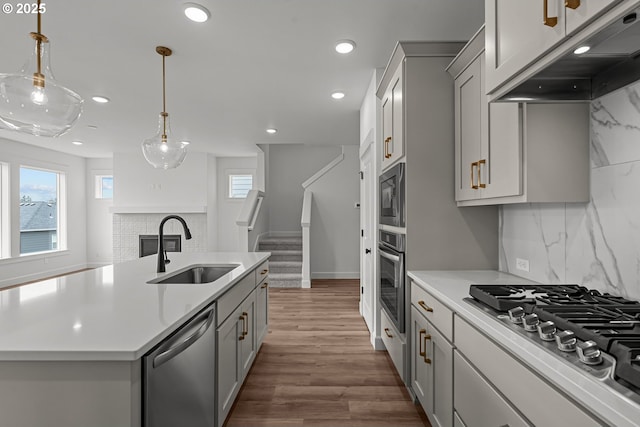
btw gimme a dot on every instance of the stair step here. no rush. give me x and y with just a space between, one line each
287 255
280 246
285 280
285 266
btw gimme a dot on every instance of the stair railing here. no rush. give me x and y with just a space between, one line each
247 218
305 222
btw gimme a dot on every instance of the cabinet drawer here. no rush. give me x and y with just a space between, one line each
228 302
516 382
394 343
436 312
477 402
262 271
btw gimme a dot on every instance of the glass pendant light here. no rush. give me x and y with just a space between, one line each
31 101
161 150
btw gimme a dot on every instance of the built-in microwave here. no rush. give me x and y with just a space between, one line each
392 201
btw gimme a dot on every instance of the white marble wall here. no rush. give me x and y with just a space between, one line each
128 227
595 244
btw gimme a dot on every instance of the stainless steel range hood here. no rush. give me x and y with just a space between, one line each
612 62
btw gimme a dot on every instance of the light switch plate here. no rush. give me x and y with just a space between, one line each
522 264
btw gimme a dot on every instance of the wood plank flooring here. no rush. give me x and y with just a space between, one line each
317 367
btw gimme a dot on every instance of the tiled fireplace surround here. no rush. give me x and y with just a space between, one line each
128 227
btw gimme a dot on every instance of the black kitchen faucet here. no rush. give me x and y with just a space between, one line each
161 253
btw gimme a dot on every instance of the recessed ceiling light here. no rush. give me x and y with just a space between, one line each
93 127
100 99
345 46
196 12
581 50
186 142
337 95
76 142
272 130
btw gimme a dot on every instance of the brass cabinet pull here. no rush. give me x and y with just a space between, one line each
245 330
422 342
549 21
265 271
265 285
572 4
473 185
480 163
425 306
387 153
386 331
424 356
241 337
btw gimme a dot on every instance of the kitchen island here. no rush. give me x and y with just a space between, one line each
496 361
71 347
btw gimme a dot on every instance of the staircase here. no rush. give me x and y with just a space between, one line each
285 264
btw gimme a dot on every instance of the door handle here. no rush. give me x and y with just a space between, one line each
422 342
473 185
241 337
549 21
386 331
425 307
245 332
165 355
480 163
367 251
424 356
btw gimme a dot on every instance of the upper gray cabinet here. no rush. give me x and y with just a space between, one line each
514 152
525 36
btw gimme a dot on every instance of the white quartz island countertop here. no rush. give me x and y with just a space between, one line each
110 313
451 287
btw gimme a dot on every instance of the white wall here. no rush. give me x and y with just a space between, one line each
593 244
289 166
335 221
139 184
228 209
32 267
212 203
99 218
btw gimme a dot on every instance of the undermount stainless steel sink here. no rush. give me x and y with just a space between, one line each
201 273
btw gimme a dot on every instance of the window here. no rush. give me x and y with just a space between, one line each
41 197
104 187
239 185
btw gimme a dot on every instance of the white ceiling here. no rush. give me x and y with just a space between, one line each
255 64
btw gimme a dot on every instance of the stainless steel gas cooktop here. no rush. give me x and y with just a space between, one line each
598 333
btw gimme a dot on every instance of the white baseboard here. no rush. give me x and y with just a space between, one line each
335 275
377 343
99 264
306 284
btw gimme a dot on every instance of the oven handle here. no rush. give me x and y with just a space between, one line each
389 256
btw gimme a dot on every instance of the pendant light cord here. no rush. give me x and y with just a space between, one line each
164 103
38 77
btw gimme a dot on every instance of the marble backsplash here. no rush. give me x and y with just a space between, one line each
596 244
128 227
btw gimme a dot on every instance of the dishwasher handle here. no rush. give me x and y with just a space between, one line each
166 354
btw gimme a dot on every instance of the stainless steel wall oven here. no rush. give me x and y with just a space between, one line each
391 247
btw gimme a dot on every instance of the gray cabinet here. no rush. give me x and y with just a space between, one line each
523 35
431 370
262 311
243 326
392 112
514 152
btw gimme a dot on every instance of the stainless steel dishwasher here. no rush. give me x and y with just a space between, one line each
179 376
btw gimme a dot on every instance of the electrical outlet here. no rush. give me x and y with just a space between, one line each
522 264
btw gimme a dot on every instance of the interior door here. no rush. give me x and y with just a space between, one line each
367 241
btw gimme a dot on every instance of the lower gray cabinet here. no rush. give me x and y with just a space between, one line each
262 311
477 402
237 347
431 370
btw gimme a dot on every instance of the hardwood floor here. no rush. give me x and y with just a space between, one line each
317 367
